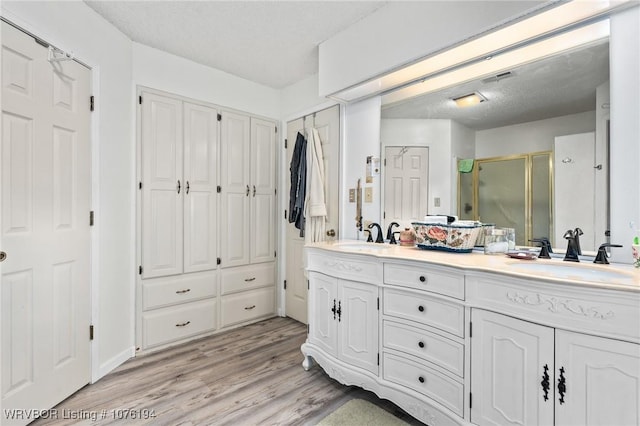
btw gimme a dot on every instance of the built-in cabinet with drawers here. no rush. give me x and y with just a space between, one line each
461 346
248 190
186 151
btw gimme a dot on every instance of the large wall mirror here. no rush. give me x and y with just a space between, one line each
547 119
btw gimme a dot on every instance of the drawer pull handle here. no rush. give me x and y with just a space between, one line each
421 379
187 290
421 308
545 382
248 280
423 279
421 344
184 324
248 308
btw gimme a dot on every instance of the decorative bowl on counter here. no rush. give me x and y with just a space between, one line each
457 237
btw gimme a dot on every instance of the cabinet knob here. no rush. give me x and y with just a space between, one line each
423 279
421 308
3 256
421 344
421 379
331 233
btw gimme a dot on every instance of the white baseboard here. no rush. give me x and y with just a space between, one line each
115 362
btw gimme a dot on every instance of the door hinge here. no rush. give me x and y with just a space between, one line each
384 215
140 270
218 261
91 218
275 191
218 189
140 100
91 102
285 284
378 358
285 144
219 117
139 185
275 253
285 214
384 162
470 399
470 329
378 303
276 129
91 332
307 328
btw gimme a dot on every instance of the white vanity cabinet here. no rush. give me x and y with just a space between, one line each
345 322
532 372
463 340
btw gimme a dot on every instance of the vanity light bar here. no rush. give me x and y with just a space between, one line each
532 52
519 33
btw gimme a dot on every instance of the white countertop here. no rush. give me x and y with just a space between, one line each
612 276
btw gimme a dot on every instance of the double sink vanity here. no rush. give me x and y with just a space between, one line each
456 339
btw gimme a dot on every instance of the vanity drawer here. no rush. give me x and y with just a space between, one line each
166 291
243 278
424 380
430 279
248 305
431 347
177 322
349 267
424 309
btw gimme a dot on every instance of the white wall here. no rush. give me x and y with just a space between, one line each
534 136
361 138
625 130
163 71
401 32
74 27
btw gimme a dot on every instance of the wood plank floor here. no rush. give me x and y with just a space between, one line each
248 376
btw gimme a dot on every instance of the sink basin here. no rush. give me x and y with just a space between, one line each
360 246
574 271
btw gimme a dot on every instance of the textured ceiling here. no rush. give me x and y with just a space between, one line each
559 85
274 43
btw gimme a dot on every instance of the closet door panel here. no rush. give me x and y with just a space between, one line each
236 190
200 175
162 186
262 228
263 178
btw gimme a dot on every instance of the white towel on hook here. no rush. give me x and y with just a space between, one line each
315 206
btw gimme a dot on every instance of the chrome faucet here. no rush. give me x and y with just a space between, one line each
390 236
571 255
379 238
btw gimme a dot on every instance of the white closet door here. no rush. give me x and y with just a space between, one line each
44 226
162 186
200 175
263 178
234 153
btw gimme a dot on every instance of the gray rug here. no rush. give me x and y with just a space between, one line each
358 412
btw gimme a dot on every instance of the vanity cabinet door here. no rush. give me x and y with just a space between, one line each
358 324
507 366
602 380
323 321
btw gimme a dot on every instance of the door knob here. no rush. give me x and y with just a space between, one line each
3 256
331 233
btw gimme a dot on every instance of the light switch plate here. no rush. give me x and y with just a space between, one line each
352 195
368 195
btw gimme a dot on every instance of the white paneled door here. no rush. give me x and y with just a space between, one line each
45 195
327 122
405 184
